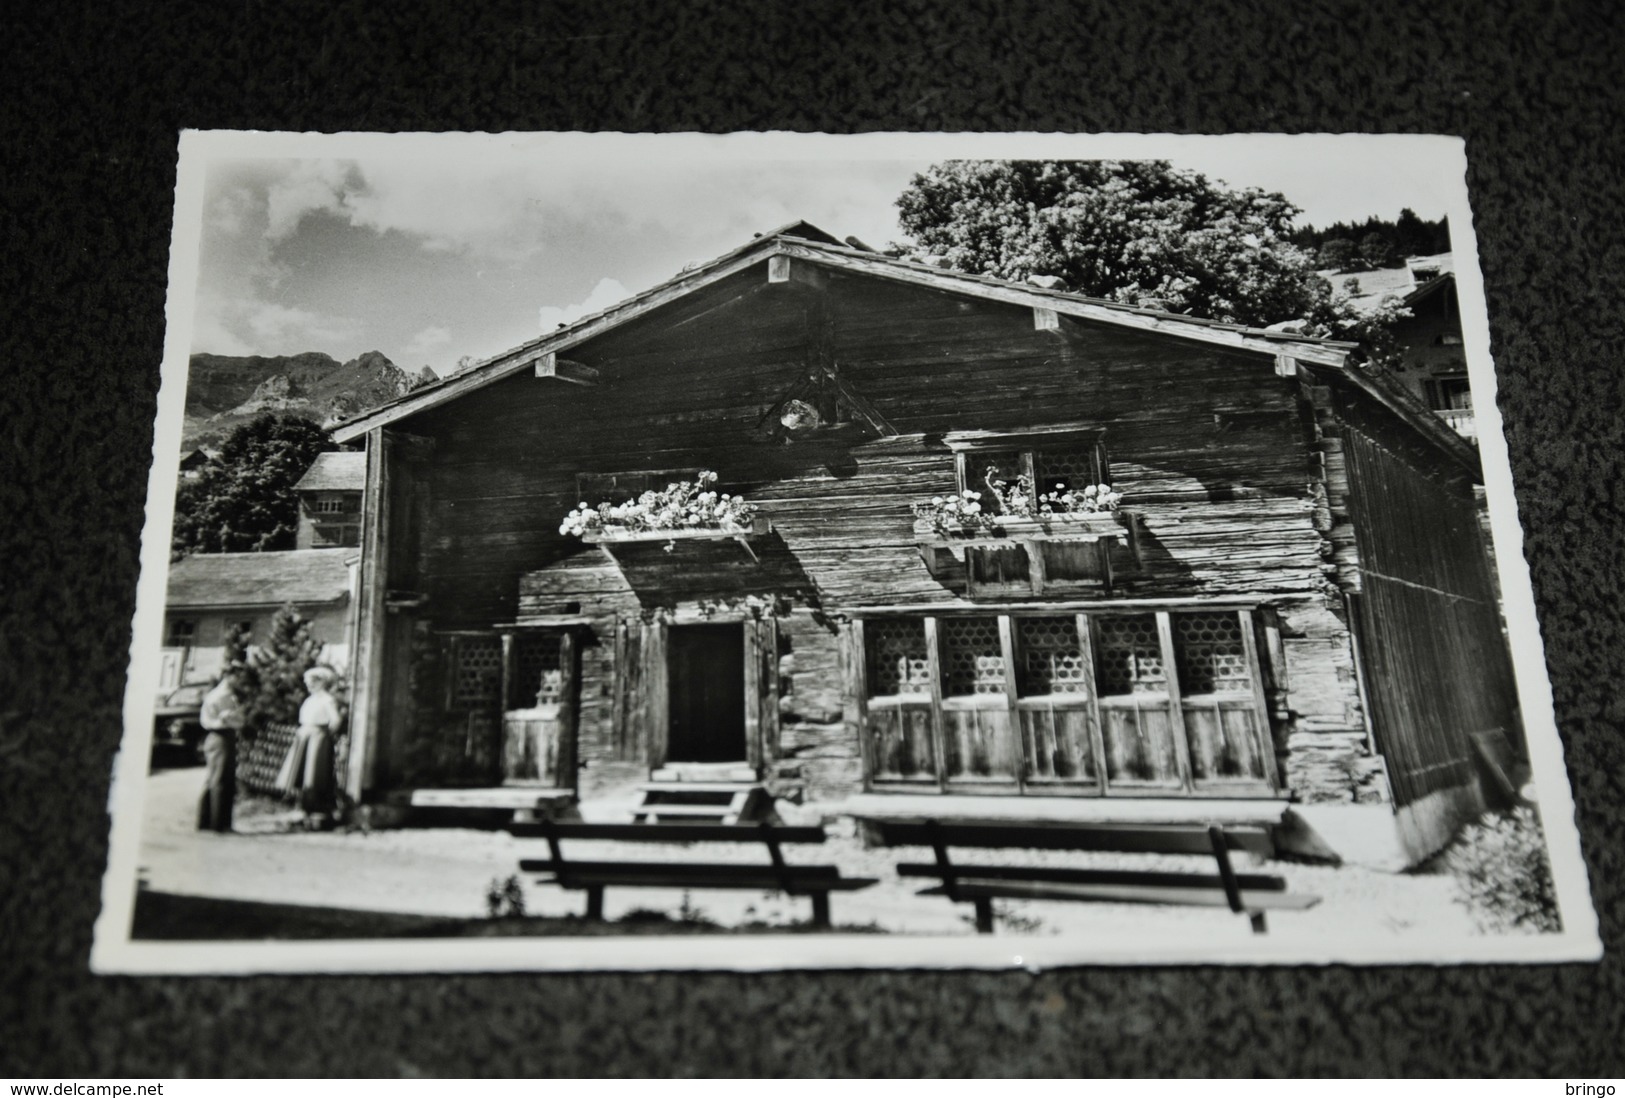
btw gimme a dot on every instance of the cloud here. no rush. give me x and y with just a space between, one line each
447 206
310 186
428 341
606 293
228 325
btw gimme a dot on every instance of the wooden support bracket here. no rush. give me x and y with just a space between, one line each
1286 366
784 271
577 373
1046 320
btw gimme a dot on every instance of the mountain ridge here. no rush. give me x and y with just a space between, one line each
224 391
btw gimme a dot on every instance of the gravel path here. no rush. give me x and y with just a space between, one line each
445 871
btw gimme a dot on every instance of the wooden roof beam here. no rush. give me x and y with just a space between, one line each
577 373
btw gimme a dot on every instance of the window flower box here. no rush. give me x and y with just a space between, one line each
999 529
684 510
613 535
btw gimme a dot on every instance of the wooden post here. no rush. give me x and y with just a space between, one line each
655 703
1176 705
857 687
566 775
1007 651
934 662
1097 735
753 688
510 673
1262 739
367 659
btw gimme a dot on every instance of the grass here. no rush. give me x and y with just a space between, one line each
166 916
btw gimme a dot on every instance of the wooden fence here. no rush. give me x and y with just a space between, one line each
259 761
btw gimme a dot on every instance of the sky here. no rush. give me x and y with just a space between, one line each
431 249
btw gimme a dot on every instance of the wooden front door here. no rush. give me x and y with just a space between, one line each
706 676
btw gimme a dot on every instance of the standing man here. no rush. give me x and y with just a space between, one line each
220 717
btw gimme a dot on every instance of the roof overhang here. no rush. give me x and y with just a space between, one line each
1275 345
1417 416
245 604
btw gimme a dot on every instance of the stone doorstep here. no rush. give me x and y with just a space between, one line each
705 772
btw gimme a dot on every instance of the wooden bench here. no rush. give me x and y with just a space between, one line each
816 881
1244 893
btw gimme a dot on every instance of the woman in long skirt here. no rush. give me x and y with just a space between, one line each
307 772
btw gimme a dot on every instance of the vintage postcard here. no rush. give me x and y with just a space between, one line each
604 551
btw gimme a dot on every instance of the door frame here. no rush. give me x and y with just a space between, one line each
570 644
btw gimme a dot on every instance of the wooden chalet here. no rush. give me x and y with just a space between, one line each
1291 604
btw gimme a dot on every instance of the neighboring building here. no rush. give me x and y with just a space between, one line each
1289 620
209 593
192 463
330 501
1434 363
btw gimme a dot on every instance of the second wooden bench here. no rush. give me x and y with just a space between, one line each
1244 893
593 877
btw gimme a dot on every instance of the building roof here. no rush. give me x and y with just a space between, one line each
808 243
224 580
335 471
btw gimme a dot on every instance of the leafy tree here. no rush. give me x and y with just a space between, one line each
1376 252
1137 232
243 499
1336 255
271 677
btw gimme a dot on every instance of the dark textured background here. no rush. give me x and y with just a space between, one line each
94 95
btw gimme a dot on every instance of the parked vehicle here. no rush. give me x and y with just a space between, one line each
177 725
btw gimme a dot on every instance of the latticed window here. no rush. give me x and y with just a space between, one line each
1002 467
181 632
898 663
1054 470
478 673
1071 460
538 679
1212 656
1093 709
1129 655
1051 659
973 662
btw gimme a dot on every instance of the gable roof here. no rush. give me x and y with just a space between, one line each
335 471
223 580
806 242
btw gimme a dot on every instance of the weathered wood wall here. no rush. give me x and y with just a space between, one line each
1210 448
1428 620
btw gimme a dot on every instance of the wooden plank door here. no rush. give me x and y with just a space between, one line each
706 688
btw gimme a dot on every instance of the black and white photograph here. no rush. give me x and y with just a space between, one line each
776 551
